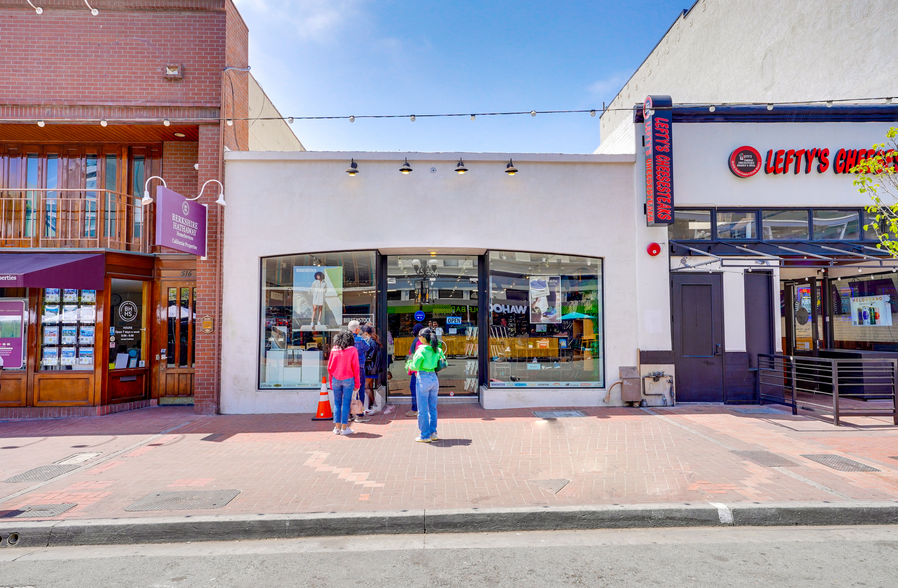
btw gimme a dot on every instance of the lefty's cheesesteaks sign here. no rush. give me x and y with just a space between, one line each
746 161
659 193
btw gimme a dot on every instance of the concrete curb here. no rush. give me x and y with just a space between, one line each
176 529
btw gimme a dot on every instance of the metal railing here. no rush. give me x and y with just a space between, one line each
74 217
840 387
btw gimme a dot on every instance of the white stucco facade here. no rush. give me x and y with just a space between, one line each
291 203
734 51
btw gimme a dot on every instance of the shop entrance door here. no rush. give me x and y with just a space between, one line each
698 336
440 290
177 302
801 317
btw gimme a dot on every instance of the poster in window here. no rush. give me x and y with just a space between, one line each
86 335
317 298
68 356
88 296
545 299
871 311
69 295
70 313
51 335
69 335
87 314
50 356
51 295
85 356
12 331
51 313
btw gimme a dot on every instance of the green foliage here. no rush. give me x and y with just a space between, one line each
877 177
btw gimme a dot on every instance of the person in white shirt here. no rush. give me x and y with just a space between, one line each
436 329
319 289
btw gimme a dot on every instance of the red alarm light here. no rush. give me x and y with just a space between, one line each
653 249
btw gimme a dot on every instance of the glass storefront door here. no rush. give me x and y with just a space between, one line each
440 292
802 333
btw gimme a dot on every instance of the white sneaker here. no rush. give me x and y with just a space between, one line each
336 430
420 440
346 431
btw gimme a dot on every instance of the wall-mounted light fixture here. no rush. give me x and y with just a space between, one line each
146 190
406 167
147 199
37 9
353 169
510 169
460 167
93 10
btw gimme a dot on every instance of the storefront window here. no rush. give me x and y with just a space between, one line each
836 225
68 329
306 300
785 224
545 320
735 224
691 225
13 331
128 324
864 309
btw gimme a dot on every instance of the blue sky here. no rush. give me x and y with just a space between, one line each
362 57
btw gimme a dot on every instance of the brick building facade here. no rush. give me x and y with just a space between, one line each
91 107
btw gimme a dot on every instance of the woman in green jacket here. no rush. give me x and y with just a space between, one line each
425 362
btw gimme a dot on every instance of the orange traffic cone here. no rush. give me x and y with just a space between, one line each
324 404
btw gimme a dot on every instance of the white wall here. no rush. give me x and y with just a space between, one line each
285 203
268 135
767 51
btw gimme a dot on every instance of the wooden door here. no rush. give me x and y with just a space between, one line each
175 341
698 336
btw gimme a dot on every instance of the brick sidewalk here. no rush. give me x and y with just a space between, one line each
290 464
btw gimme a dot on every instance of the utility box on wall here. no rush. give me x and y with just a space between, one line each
658 384
631 387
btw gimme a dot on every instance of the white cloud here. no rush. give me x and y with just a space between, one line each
607 88
313 20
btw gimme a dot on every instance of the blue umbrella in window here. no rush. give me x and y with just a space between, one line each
576 315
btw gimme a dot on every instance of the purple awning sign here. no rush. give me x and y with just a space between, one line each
12 321
180 223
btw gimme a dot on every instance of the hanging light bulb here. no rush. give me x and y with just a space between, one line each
412 118
770 106
829 103
888 100
351 119
712 108
532 113
230 123
460 168
473 117
510 169
103 123
353 168
290 120
406 168
166 122
41 123
592 113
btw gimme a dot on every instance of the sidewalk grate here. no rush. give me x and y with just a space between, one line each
41 474
756 410
187 500
766 459
837 462
78 458
557 414
553 486
29 511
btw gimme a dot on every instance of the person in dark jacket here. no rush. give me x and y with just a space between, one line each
355 327
373 363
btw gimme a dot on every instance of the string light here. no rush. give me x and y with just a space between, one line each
103 123
473 116
166 122
41 123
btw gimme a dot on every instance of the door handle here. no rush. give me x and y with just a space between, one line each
717 349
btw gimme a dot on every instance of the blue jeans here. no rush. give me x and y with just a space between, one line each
411 388
342 398
427 387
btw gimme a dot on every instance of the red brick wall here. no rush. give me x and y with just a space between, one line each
66 56
206 384
236 83
178 159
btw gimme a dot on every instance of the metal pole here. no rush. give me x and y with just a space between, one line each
894 394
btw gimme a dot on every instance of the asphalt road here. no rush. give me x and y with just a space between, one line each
714 557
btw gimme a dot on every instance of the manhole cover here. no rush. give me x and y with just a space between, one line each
756 410
557 414
553 486
42 473
766 459
837 462
184 500
76 458
39 510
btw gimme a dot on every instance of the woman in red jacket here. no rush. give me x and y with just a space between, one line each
345 379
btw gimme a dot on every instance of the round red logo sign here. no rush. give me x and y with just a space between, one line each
745 161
